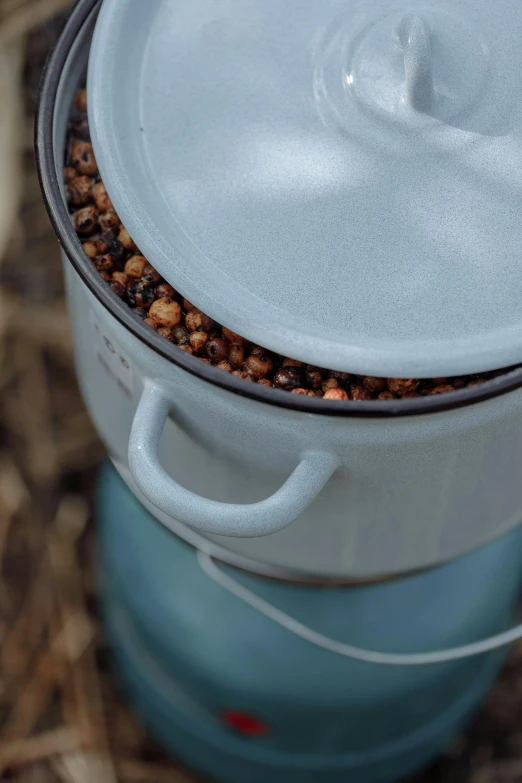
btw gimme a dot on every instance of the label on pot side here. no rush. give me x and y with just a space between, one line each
111 358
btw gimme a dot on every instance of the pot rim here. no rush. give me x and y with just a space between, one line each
60 219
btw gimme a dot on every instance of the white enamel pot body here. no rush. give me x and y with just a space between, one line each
360 490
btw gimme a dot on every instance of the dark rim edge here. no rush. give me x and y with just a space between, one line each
68 240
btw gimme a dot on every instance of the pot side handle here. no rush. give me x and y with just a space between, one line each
210 516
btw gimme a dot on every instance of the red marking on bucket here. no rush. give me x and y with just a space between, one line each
244 723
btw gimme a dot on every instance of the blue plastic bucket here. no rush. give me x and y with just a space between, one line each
237 697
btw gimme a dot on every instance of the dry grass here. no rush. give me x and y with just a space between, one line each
19 17
61 718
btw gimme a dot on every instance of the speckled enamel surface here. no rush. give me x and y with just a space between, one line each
407 492
339 182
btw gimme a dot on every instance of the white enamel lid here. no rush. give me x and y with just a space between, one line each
338 181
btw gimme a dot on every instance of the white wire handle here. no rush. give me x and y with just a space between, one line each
347 650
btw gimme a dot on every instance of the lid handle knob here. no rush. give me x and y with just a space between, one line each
414 36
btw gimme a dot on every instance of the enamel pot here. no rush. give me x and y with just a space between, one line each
284 484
